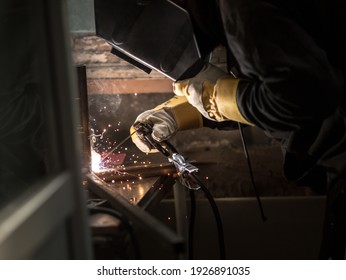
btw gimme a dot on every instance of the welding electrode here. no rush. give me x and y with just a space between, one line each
117 146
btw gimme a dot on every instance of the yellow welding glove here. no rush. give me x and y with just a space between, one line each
166 120
213 93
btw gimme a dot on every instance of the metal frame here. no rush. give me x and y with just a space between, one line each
29 220
49 221
172 243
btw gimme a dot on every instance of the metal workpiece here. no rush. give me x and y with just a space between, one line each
136 172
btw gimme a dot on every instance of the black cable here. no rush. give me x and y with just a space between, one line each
192 223
214 207
264 218
112 212
217 216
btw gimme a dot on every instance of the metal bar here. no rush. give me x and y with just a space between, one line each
181 213
136 171
156 193
84 116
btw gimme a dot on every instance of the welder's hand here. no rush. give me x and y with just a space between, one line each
213 93
166 119
198 90
164 126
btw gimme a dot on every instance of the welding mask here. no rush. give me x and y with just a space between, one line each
152 35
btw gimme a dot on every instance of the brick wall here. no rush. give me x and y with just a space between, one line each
108 74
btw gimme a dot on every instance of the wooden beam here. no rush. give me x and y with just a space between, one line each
117 86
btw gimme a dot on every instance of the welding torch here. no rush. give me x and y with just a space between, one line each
185 170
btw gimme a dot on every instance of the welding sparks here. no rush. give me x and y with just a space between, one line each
107 153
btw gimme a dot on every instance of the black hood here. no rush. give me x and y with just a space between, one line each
153 34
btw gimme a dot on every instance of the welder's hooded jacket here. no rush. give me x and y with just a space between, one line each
291 59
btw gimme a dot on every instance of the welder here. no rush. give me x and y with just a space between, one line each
286 75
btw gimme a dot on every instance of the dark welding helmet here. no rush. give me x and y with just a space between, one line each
151 34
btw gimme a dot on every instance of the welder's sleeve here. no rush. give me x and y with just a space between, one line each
288 79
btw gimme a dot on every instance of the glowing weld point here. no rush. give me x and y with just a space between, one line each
95 161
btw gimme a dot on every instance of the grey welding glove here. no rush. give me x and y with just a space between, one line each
166 120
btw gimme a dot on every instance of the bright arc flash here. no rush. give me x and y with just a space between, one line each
95 161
